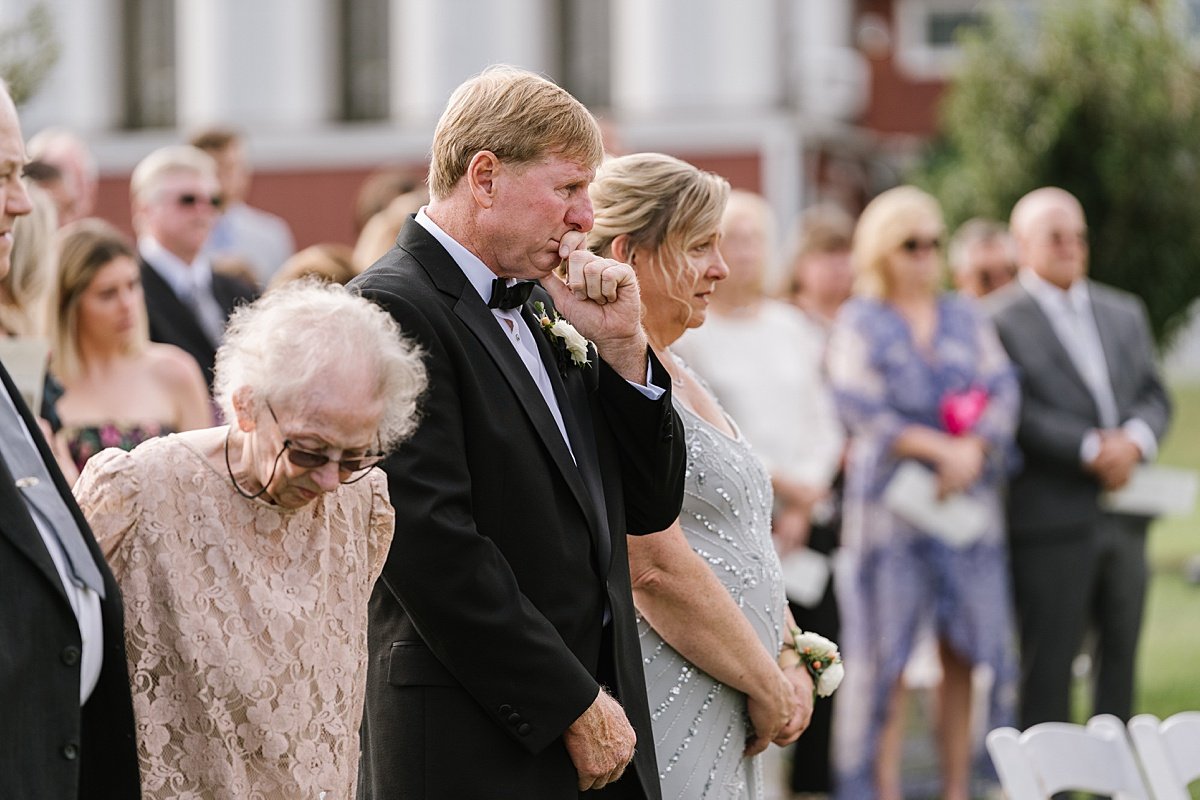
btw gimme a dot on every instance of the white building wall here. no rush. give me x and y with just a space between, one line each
437 45
264 65
695 76
83 91
690 55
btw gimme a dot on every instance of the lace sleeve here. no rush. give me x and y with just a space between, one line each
107 491
382 525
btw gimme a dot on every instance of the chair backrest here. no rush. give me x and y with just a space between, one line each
1059 756
1169 751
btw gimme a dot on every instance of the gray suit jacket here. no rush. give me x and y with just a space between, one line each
1053 492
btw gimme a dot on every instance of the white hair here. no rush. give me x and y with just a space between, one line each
151 170
309 332
52 143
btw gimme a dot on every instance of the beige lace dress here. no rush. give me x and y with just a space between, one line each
245 624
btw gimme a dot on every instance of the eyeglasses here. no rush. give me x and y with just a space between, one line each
306 459
913 245
190 200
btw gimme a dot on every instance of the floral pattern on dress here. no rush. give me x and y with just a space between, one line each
246 624
85 441
895 581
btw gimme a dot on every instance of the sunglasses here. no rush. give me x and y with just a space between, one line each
190 200
914 245
307 459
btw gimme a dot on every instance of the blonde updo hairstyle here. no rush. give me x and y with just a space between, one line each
884 225
84 248
662 204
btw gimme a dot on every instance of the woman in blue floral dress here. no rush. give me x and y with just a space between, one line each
918 376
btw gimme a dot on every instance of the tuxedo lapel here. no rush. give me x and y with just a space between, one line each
15 520
178 322
1110 341
449 279
574 405
1034 320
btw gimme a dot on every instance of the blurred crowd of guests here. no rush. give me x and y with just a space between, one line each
854 348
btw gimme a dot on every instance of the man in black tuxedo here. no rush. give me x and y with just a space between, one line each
66 719
504 653
175 205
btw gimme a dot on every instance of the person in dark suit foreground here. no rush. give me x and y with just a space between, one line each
66 721
1092 408
175 205
504 652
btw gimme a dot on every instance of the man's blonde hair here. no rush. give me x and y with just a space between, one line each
150 171
519 116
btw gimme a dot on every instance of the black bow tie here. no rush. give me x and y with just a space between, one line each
505 297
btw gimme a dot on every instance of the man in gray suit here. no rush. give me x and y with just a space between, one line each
1093 407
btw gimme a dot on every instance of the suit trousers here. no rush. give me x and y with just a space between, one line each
1067 582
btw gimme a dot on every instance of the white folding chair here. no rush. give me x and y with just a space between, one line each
1169 751
1060 756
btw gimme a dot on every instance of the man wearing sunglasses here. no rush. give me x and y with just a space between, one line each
1092 408
175 205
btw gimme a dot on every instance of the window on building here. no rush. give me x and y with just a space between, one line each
364 43
149 63
585 51
927 34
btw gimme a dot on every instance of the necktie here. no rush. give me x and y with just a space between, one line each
42 498
505 297
207 312
1089 357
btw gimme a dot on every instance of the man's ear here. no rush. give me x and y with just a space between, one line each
623 250
481 176
243 407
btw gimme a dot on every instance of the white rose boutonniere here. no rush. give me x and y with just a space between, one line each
564 335
821 658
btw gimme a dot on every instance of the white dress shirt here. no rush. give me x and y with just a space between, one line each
192 283
1070 314
84 601
510 319
480 276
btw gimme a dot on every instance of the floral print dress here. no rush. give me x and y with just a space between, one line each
85 441
245 623
895 581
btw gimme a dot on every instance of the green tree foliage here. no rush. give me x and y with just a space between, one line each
28 50
1102 98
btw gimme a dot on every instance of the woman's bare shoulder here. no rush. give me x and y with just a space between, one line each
172 365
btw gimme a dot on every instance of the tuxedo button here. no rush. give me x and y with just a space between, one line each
505 710
70 751
70 655
524 728
514 718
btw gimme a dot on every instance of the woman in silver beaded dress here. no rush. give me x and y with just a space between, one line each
709 592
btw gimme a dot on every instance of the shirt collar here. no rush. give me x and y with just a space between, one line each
1050 296
184 278
478 274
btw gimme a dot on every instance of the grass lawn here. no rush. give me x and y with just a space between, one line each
1169 656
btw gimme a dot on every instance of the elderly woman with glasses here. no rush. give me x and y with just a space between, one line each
246 554
930 401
